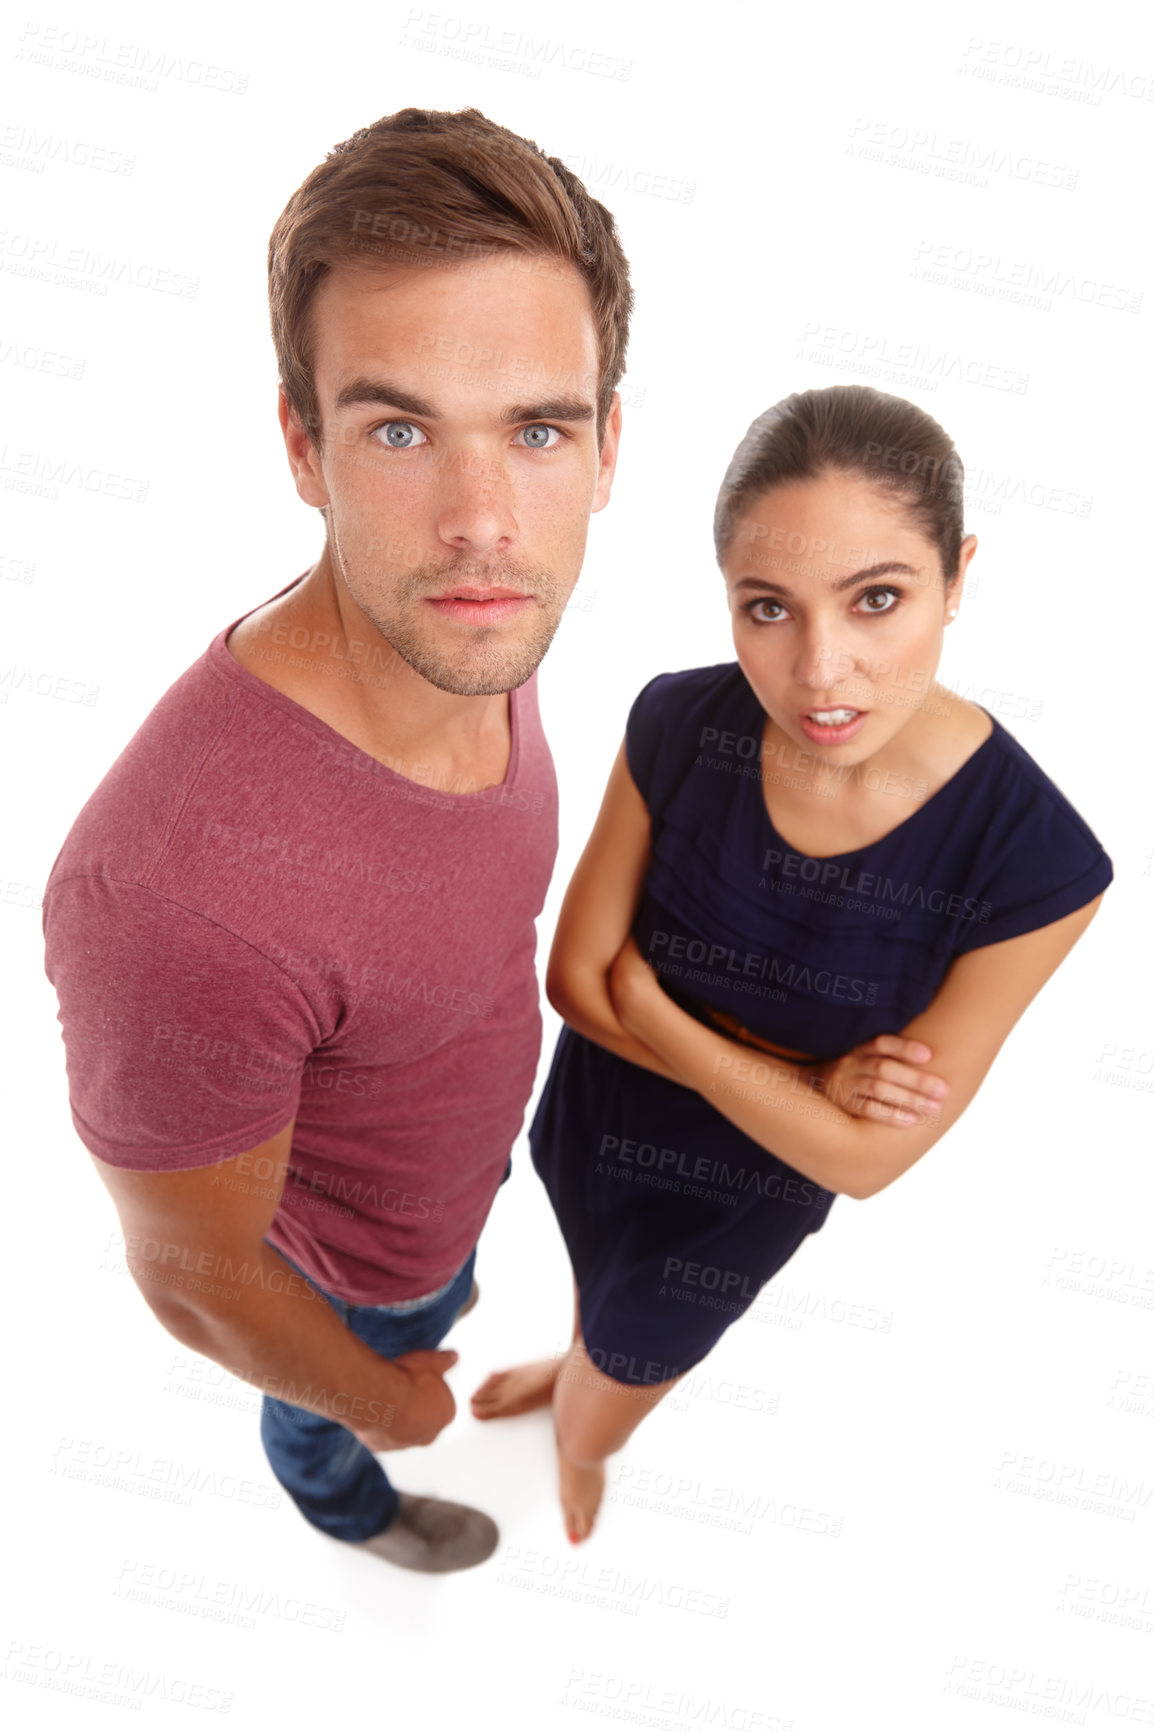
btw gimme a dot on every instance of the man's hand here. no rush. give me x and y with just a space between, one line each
882 1080
426 1405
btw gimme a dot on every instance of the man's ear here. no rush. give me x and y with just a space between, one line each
607 456
303 456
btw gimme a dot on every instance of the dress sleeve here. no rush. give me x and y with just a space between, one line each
184 1044
643 733
1041 862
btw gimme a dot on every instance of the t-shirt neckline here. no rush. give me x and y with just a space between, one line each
848 853
225 663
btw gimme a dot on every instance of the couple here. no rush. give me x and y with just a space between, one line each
292 932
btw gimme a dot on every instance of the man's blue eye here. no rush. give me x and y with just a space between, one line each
399 434
537 438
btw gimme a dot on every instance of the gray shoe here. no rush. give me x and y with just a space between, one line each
431 1535
474 1295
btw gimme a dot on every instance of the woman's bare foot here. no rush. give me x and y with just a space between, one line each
505 1393
581 1492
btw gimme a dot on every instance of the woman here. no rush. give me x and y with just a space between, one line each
820 892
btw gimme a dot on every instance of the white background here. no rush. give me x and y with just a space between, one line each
949 1501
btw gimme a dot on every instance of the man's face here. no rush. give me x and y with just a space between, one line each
458 463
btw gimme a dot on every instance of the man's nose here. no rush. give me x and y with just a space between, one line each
475 501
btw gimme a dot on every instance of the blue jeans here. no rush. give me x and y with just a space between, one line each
334 1480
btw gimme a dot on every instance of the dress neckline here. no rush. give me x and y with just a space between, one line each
965 766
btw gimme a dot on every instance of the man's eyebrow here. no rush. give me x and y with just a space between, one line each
888 565
382 391
555 409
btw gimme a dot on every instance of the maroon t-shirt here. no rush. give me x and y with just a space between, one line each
252 919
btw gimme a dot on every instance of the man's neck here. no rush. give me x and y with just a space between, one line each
317 647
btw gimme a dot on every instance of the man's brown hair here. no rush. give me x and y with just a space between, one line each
429 187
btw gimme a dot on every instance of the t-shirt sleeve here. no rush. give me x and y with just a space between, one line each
184 1044
1041 863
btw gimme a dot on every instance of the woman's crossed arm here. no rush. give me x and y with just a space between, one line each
858 1135
774 1102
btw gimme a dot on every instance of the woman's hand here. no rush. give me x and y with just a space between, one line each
882 1080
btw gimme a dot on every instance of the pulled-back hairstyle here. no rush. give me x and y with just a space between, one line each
855 430
429 187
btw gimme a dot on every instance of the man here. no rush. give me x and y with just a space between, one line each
292 932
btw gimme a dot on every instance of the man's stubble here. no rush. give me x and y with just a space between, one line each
489 659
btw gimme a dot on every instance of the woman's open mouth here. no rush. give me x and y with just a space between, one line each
833 726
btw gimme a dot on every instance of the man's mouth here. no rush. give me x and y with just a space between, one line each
472 605
471 592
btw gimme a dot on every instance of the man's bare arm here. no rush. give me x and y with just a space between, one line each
195 1247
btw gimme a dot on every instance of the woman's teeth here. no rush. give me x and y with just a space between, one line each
832 718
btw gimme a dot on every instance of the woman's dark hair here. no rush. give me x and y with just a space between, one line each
857 431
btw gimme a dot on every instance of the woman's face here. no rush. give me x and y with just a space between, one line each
838 604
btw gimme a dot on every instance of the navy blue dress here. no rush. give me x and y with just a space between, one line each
673 1217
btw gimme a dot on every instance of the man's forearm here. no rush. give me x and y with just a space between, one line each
254 1315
